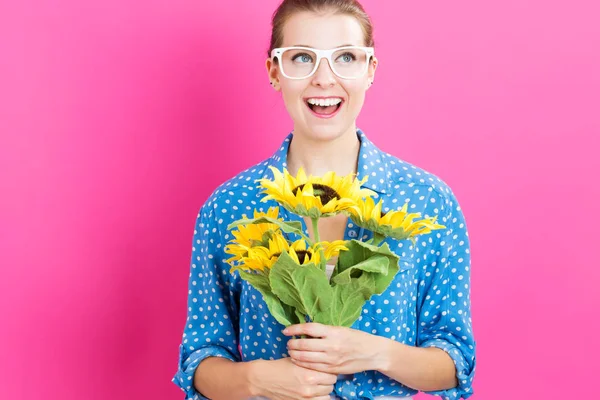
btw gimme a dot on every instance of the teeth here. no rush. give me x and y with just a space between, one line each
325 102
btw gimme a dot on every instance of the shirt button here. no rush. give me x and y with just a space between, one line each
352 234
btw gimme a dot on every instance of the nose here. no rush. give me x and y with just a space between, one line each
323 76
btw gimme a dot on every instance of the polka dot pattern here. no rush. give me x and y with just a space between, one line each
427 304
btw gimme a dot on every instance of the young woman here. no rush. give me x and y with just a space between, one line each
417 335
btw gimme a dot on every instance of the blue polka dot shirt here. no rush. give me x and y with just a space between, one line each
426 305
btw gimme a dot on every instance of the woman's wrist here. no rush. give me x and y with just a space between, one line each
382 354
221 378
251 377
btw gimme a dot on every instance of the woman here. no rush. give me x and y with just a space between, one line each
417 335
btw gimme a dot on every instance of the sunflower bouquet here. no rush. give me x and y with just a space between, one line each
291 274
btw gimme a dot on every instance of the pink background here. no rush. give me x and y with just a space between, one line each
112 115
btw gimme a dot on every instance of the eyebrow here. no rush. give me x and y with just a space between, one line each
305 45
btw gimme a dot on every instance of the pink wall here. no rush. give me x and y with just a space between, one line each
111 117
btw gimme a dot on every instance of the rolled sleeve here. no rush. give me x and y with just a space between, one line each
464 370
188 363
212 323
445 304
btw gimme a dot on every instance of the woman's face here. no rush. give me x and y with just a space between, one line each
322 32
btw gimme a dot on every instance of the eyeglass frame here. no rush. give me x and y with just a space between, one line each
277 53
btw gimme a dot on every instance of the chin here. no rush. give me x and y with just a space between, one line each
325 133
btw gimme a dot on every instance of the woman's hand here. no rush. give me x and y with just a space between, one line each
283 380
336 350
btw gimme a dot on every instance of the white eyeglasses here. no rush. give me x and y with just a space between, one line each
349 62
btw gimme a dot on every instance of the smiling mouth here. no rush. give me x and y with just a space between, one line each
324 110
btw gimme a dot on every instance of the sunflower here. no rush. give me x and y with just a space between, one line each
252 235
263 257
259 258
332 249
312 254
314 197
397 224
302 254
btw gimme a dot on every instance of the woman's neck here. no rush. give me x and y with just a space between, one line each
318 157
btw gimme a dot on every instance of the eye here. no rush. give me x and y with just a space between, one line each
347 57
302 58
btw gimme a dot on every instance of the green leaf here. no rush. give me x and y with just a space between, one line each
304 287
349 300
360 251
283 313
376 264
362 271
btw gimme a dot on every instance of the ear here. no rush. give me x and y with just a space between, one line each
371 72
273 73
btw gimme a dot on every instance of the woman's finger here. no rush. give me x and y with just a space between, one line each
324 390
313 329
316 366
309 356
308 344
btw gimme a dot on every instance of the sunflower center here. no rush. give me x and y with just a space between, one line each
325 192
302 255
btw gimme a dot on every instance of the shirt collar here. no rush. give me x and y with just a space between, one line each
369 158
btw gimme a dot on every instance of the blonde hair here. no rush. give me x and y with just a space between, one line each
347 7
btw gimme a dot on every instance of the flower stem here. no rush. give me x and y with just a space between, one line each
315 224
